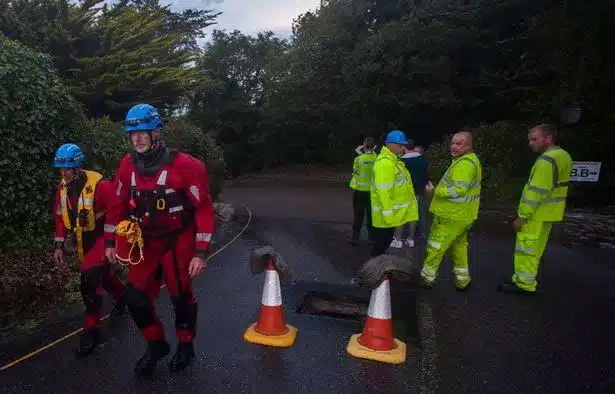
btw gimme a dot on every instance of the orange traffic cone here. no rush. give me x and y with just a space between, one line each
271 328
377 341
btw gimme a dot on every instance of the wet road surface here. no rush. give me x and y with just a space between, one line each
229 298
476 342
484 341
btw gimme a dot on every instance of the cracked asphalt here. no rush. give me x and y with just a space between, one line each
476 342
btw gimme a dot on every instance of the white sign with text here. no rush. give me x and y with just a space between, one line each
585 171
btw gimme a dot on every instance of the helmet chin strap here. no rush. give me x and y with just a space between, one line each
155 143
150 158
153 147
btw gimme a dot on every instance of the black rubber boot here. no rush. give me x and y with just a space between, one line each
182 358
462 289
425 284
155 351
507 287
119 307
90 339
354 239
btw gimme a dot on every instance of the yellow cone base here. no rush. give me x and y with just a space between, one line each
284 340
395 356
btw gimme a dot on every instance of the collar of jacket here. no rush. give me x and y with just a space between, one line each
386 152
409 155
552 148
462 156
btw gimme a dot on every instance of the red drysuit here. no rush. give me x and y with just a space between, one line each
95 269
175 213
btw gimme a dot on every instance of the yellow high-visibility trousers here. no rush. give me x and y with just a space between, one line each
448 234
529 248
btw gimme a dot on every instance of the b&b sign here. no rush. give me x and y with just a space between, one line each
585 171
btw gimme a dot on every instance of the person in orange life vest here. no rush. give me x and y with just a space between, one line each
162 194
80 200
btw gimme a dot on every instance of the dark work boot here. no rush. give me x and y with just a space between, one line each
354 239
426 284
462 289
90 339
183 357
119 307
155 351
508 287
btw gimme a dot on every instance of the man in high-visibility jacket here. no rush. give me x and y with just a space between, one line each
391 192
360 183
454 205
543 202
81 201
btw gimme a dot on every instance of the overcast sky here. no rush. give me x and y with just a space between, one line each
251 16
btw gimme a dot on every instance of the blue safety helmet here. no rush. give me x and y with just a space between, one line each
396 137
142 117
68 156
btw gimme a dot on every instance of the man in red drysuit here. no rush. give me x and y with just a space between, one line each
81 200
166 194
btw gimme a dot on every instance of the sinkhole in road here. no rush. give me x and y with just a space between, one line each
340 306
349 304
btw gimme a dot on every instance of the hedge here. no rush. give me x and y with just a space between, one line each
36 111
37 115
506 160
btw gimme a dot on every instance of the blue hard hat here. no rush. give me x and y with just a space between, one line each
68 156
396 137
142 117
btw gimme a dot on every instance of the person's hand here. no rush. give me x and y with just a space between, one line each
58 256
430 187
518 224
110 255
197 264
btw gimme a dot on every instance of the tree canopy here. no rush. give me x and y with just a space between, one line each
69 70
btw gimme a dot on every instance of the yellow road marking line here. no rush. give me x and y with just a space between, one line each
65 337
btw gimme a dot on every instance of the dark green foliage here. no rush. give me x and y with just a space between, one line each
504 155
113 56
355 68
103 143
180 134
37 113
352 68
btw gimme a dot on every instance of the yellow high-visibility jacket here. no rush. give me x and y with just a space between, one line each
392 195
457 195
544 195
84 203
362 171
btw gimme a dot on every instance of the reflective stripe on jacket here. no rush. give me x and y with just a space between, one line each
457 195
362 172
85 217
544 195
392 195
85 203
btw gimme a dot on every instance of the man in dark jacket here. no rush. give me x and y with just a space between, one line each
417 166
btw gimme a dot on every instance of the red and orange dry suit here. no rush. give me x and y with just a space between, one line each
95 269
172 205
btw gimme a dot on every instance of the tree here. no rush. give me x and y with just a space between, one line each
112 57
228 106
37 114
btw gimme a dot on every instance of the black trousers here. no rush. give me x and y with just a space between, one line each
382 238
362 206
